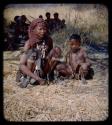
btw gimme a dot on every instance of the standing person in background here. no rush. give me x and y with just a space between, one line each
56 22
49 21
24 28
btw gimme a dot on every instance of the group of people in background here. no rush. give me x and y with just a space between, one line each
16 33
54 24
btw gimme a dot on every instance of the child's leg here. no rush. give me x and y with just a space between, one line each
55 52
89 74
64 69
83 70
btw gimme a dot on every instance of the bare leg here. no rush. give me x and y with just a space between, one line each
83 73
31 65
64 69
25 80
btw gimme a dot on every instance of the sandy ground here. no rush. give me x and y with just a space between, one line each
65 100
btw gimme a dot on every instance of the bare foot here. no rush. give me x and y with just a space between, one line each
42 82
83 81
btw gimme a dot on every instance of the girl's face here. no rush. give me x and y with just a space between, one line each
74 44
40 31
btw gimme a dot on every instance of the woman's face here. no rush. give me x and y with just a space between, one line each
40 31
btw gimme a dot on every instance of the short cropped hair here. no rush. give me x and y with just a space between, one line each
56 14
47 13
75 36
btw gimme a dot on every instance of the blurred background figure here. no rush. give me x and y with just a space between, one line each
16 33
63 25
23 35
40 16
49 21
11 32
56 22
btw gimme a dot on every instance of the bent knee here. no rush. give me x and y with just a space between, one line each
57 51
84 67
60 67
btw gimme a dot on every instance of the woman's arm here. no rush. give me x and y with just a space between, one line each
25 69
58 59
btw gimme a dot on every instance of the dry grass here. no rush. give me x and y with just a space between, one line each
66 100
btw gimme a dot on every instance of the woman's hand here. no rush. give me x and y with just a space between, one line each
54 59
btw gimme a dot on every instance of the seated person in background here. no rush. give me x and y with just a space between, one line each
77 63
19 29
16 28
